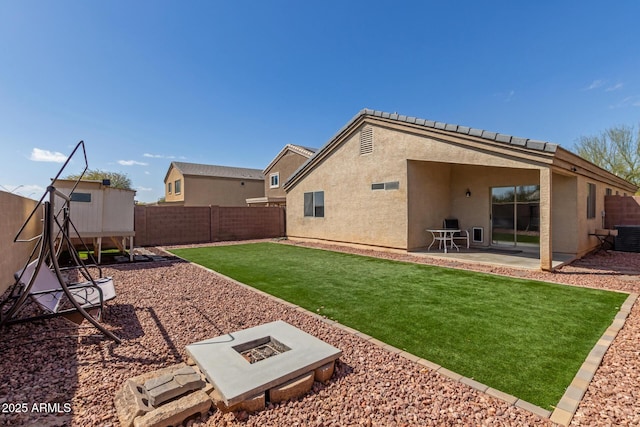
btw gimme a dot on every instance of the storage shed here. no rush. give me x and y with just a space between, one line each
99 211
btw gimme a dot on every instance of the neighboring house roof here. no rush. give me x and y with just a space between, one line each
298 149
196 169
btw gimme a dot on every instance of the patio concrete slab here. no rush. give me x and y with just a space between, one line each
236 379
525 258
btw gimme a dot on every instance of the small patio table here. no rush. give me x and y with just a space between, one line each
443 235
603 237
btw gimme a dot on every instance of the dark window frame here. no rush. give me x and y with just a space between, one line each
314 204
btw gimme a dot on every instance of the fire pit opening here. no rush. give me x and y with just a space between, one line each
260 349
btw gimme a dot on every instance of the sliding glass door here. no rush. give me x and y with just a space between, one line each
515 215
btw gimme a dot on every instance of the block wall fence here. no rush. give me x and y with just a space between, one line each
14 210
621 210
176 225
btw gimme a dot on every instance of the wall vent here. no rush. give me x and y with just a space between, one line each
366 140
393 185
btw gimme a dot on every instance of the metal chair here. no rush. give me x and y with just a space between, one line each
452 224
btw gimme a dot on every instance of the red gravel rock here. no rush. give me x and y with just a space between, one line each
163 306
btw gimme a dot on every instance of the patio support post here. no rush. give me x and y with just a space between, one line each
546 234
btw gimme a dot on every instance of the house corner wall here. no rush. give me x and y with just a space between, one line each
564 214
428 200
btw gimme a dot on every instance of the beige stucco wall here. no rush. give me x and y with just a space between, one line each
285 166
571 227
205 191
564 214
435 171
211 191
173 175
433 176
353 212
589 225
13 212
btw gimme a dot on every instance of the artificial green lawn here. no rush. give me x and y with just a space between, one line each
522 337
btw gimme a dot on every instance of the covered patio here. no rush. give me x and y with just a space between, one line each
515 214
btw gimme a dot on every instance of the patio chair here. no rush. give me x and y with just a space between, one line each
452 224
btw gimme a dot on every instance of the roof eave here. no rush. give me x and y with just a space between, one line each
501 139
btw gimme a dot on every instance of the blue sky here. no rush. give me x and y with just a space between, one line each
230 83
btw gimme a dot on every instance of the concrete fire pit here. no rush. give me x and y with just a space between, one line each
262 361
240 371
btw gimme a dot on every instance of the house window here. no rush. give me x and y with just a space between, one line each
366 140
274 180
314 204
609 192
169 188
178 186
591 200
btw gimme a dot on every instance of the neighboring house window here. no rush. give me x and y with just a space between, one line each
314 204
274 179
366 140
609 192
591 200
169 188
178 186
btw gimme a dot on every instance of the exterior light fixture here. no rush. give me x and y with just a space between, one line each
468 193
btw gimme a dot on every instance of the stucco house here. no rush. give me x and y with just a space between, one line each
384 179
193 184
288 160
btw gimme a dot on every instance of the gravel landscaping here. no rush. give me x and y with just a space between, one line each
163 306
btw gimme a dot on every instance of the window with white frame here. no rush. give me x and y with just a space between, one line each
314 204
169 187
178 186
274 180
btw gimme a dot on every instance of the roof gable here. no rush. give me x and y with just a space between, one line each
298 149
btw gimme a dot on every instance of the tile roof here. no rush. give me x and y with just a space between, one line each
480 133
309 149
217 171
513 141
